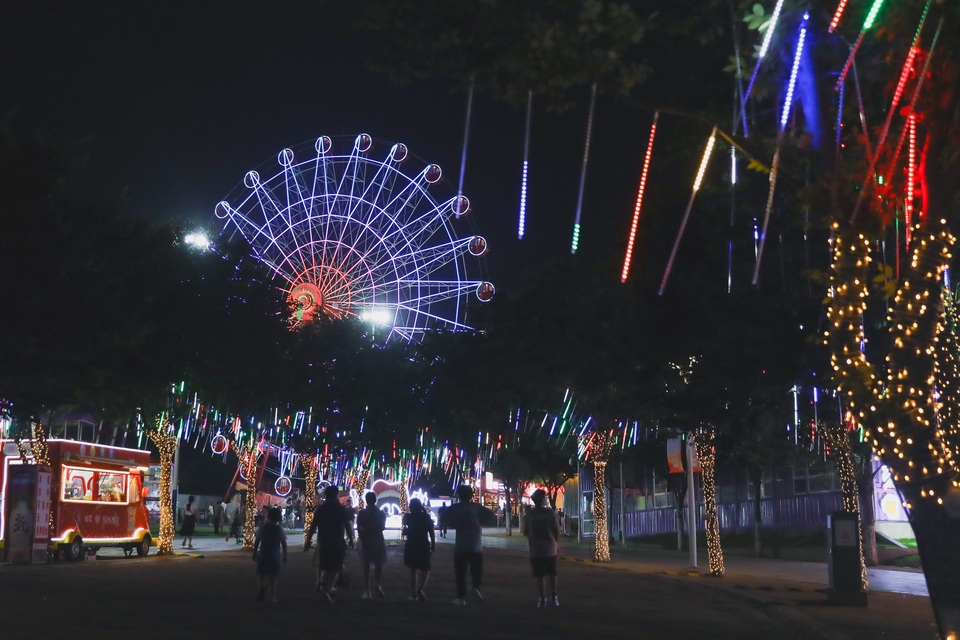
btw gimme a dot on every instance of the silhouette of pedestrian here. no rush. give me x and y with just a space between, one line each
420 543
440 521
371 522
542 532
465 517
269 552
189 524
330 521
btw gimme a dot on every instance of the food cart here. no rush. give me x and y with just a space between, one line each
94 495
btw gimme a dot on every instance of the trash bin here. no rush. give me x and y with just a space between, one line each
846 585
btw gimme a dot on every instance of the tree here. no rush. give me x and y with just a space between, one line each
552 464
900 402
513 468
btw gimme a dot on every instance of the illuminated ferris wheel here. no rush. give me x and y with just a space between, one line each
352 235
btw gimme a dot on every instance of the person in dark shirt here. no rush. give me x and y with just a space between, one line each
371 522
543 533
465 517
269 552
420 543
331 521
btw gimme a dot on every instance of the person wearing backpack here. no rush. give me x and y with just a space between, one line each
542 532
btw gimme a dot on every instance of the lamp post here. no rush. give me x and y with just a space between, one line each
691 502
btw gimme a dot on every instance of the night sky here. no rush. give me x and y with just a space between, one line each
181 99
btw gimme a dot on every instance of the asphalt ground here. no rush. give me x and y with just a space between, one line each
210 592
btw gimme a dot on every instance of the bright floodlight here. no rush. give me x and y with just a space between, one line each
197 240
377 315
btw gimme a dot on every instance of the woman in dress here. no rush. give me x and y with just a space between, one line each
189 523
420 543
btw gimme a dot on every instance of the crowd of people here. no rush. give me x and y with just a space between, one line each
339 527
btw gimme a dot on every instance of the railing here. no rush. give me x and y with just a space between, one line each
793 512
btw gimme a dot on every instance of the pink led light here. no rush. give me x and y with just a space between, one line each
904 75
636 209
837 15
911 175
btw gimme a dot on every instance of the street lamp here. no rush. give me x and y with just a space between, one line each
198 240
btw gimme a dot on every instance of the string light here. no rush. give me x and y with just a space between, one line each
872 16
911 176
636 209
867 24
248 455
707 456
523 180
583 169
791 85
836 16
597 446
311 471
764 47
902 408
704 161
164 437
840 450
771 27
774 170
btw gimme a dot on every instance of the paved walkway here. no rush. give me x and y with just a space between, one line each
648 559
646 593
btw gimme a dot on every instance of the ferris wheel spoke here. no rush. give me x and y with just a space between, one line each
367 235
430 259
429 223
262 243
423 315
432 291
294 210
331 189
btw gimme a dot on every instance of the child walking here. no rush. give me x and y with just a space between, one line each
236 526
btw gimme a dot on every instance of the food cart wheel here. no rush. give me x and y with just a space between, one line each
144 547
74 551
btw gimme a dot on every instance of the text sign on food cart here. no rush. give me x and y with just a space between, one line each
41 526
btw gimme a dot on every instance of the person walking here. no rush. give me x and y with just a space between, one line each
443 527
216 513
189 524
269 552
543 533
371 522
236 527
420 543
464 518
330 521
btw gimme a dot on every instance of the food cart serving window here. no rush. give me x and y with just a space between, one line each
97 485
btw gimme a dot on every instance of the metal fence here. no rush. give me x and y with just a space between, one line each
793 512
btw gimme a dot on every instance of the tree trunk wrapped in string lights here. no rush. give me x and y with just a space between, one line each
360 480
164 438
597 447
837 437
911 431
404 497
248 454
707 455
311 471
